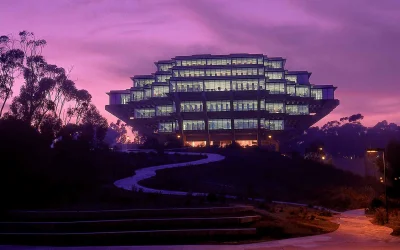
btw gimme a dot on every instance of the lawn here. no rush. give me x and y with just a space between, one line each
253 173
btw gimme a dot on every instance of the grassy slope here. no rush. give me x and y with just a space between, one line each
251 173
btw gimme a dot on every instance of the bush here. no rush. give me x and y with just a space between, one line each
380 216
376 203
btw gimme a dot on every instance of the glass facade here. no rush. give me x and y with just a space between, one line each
297 109
192 106
246 123
217 85
164 110
302 91
205 88
274 124
215 124
216 106
273 64
245 84
278 107
276 88
167 127
245 105
193 125
160 91
274 75
144 113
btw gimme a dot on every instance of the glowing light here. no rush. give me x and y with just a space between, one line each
323 157
270 136
372 151
395 178
179 136
381 178
320 149
382 181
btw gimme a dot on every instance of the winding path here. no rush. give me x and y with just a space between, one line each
132 182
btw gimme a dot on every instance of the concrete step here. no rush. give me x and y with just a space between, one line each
127 224
125 214
128 237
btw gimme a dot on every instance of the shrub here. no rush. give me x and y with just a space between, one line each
376 203
380 216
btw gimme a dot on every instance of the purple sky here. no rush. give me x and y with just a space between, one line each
352 44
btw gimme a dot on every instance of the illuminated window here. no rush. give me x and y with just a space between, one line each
244 105
316 94
245 71
192 106
193 125
215 124
147 93
216 106
164 110
245 84
217 85
125 98
160 91
245 123
291 78
188 86
273 64
163 78
274 124
138 95
291 90
303 91
275 107
144 113
218 72
297 109
164 67
276 88
274 75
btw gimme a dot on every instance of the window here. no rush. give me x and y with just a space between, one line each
188 73
218 72
193 125
188 86
246 123
218 106
223 61
164 67
274 124
217 85
303 91
142 82
196 106
275 107
245 72
137 95
239 61
316 94
291 90
245 84
160 91
163 78
125 98
291 78
164 110
274 75
144 113
244 105
297 109
276 88
214 124
147 94
167 127
273 64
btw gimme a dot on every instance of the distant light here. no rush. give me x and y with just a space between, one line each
323 157
131 118
395 178
270 136
179 136
372 151
381 178
382 181
351 158
320 149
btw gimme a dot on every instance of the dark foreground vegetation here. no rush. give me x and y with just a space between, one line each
254 173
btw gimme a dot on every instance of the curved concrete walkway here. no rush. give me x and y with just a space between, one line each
355 232
132 182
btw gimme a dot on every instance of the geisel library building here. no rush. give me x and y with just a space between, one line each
218 99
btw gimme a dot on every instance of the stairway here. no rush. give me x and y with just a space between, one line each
129 227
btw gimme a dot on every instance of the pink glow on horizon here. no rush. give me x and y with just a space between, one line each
349 44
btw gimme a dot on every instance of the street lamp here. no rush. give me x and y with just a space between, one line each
377 150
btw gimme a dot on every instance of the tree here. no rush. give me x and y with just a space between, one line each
11 61
120 129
